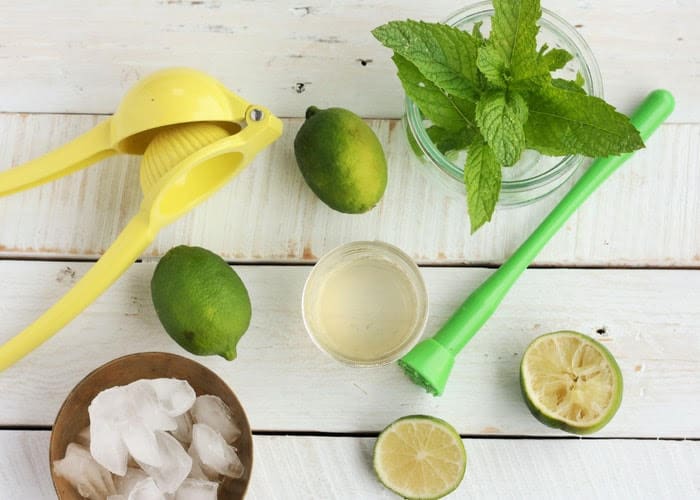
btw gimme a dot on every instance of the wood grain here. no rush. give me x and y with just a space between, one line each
291 467
648 319
71 57
645 215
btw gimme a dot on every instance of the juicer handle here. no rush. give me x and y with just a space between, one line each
128 246
82 151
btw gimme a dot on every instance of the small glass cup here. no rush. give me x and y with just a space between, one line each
365 303
535 175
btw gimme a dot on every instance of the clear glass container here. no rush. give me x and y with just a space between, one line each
535 175
365 303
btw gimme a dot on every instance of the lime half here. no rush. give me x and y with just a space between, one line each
420 457
570 382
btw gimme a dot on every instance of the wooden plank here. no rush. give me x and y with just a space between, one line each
289 55
291 467
646 214
648 319
24 465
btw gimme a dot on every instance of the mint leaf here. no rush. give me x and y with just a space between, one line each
514 30
476 33
568 85
442 110
493 66
511 52
556 59
482 177
445 55
579 79
532 77
563 122
500 116
450 140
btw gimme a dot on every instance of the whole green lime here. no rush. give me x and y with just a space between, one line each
341 159
201 302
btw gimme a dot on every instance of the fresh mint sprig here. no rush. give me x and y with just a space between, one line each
496 97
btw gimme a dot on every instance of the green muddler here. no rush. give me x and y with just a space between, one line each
429 363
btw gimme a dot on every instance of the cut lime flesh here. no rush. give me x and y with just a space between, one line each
420 457
571 382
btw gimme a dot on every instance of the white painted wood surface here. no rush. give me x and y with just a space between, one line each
650 318
645 215
78 57
289 468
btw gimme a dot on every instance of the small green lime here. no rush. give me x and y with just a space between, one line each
201 302
420 457
570 382
341 159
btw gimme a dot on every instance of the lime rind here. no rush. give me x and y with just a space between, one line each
551 419
437 423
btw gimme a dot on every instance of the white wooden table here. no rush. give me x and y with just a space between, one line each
625 269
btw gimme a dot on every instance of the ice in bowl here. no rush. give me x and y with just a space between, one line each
153 439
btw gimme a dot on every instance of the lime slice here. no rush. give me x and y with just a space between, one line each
571 382
420 457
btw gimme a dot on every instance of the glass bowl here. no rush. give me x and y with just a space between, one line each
535 175
365 303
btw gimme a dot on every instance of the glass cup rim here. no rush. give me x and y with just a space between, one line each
589 69
381 248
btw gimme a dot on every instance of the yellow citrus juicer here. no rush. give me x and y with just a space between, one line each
194 135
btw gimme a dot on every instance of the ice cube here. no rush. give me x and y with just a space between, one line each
123 420
108 411
141 443
146 490
83 437
117 497
194 489
84 473
214 452
212 411
199 470
146 407
110 405
175 396
183 432
175 463
126 483
107 446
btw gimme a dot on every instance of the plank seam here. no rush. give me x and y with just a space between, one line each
370 434
265 263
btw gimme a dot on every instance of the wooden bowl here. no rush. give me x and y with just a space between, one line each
73 415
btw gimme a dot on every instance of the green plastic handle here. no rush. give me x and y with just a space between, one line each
430 362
